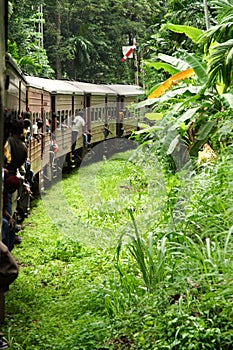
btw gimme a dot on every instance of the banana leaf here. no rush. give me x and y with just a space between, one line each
205 130
191 32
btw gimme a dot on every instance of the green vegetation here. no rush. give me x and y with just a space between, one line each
163 279
135 252
82 40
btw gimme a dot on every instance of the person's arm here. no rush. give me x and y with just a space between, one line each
11 221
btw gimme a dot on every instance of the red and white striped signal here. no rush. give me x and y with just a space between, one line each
127 54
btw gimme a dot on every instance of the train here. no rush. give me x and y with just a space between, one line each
54 104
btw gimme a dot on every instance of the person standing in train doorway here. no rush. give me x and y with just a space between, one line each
77 128
106 131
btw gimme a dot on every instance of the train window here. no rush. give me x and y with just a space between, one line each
92 115
101 113
58 119
110 112
65 117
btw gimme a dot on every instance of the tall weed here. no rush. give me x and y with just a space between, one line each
149 257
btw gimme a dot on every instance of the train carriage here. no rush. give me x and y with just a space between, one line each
39 107
98 99
15 85
126 95
57 103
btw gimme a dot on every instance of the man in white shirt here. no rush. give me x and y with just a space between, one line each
77 126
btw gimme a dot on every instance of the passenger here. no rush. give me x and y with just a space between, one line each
106 131
35 131
89 137
120 124
48 125
53 149
77 127
8 273
9 238
15 150
85 139
27 130
40 125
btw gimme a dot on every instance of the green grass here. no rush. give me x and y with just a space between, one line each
67 268
105 265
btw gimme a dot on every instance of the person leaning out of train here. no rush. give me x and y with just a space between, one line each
15 149
48 125
78 124
27 131
9 237
89 137
106 131
53 149
37 129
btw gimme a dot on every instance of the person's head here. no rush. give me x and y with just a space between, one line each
39 123
12 183
18 126
27 123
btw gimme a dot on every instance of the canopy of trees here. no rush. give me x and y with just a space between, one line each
83 40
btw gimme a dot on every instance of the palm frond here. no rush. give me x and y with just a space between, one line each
218 33
221 63
222 8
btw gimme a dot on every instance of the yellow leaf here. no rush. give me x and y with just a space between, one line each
172 81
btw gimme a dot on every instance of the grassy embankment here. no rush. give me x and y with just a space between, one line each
121 256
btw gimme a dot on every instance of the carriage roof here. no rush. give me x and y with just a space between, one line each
77 87
53 86
127 90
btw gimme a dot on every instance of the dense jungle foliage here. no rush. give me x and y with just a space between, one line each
83 40
141 257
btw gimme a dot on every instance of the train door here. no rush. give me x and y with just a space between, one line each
120 116
87 111
53 117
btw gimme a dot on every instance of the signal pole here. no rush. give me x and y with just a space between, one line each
41 26
136 63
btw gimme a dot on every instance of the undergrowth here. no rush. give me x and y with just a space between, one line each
121 256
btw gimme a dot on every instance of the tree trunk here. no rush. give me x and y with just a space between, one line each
58 30
207 20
